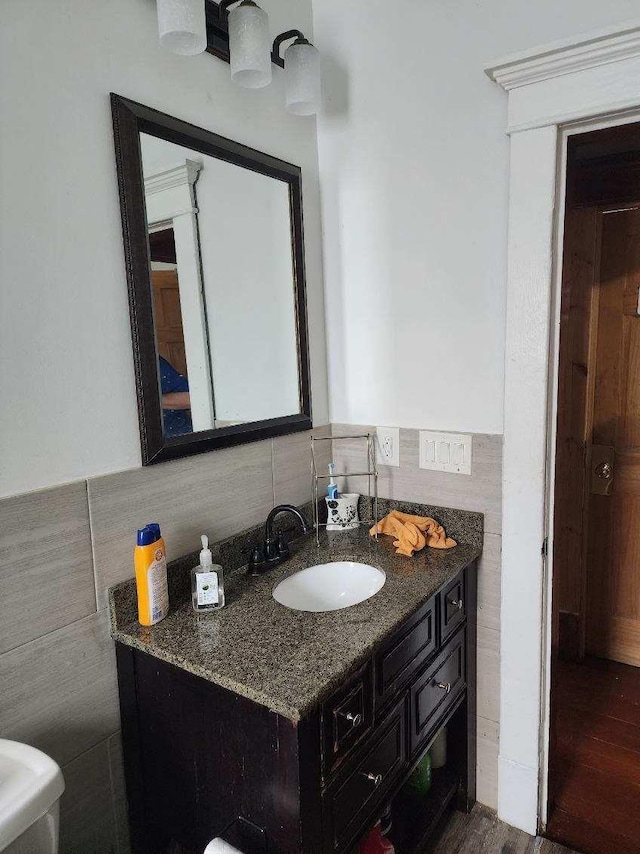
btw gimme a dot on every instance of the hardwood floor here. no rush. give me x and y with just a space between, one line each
480 832
595 761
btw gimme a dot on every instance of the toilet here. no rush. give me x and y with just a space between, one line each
31 785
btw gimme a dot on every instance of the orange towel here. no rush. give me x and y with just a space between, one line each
409 532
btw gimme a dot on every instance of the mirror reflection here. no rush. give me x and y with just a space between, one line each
222 277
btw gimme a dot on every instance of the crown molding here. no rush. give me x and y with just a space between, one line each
566 56
185 173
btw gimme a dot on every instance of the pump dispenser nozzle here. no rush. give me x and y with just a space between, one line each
206 558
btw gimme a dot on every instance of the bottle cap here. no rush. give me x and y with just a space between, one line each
155 527
146 536
206 558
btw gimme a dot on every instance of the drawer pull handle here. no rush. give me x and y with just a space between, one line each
376 779
446 687
457 603
356 719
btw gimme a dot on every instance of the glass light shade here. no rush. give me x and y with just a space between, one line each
302 79
250 46
182 27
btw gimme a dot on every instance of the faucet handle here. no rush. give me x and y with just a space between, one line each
256 559
282 546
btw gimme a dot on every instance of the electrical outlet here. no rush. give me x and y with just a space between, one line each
388 446
445 452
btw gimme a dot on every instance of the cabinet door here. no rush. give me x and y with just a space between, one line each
433 693
405 653
348 805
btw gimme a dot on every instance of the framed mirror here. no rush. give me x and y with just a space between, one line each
214 251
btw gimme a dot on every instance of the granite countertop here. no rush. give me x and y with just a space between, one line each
289 660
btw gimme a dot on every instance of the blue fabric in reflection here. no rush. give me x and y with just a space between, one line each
176 421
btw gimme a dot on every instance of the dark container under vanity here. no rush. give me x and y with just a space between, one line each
299 745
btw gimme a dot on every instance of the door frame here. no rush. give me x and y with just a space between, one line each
573 86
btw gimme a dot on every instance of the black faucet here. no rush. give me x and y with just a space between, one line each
275 548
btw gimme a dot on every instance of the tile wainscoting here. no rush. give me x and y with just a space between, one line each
61 548
481 491
57 662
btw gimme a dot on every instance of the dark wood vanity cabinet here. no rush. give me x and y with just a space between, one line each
202 761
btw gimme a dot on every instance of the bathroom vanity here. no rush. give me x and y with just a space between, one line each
291 731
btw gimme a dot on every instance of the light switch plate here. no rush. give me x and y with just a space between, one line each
449 452
388 446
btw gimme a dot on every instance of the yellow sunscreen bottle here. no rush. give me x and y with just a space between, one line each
150 564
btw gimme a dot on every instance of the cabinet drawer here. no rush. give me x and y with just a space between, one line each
437 689
347 805
405 653
347 716
452 607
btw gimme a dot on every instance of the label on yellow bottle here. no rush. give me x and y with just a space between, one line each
157 587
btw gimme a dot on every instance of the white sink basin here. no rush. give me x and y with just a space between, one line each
329 586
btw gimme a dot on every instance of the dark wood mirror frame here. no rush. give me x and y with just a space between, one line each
129 120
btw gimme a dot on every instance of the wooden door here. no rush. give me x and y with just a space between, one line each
613 464
575 393
168 318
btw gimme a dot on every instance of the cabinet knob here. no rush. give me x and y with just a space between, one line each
376 779
356 719
446 687
457 603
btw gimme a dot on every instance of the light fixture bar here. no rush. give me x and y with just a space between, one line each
217 31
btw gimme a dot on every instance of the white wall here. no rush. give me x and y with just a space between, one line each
414 166
67 393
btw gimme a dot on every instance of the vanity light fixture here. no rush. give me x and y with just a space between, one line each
301 65
240 36
182 26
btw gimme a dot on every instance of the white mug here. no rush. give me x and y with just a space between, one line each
342 512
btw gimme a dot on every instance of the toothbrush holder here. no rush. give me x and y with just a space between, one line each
342 512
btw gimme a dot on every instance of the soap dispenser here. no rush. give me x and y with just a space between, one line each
207 582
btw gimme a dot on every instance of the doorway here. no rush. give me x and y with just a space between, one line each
594 754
